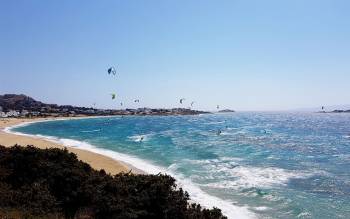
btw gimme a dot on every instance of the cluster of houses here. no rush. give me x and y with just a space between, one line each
18 114
11 113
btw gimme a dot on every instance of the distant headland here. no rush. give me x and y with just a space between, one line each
226 111
336 111
14 105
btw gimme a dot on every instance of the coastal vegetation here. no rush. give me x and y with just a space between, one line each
53 183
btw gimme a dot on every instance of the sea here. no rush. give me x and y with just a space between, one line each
250 165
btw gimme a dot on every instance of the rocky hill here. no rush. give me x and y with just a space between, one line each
19 102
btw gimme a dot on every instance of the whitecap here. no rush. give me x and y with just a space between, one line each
214 123
261 208
304 215
88 131
197 195
140 138
256 177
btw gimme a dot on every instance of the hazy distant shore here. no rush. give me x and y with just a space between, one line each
97 161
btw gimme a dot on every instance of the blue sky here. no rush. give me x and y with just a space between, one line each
244 55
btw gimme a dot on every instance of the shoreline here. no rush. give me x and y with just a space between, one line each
99 156
97 161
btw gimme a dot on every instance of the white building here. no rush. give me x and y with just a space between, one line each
12 113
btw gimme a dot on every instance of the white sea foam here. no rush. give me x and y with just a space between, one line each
243 176
231 128
304 214
132 160
139 138
261 208
196 194
8 129
227 133
95 130
213 161
249 177
214 123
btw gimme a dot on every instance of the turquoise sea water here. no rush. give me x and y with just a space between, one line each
262 165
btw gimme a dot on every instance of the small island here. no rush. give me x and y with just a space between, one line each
226 111
336 111
341 111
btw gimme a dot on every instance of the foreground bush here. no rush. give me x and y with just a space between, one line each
53 183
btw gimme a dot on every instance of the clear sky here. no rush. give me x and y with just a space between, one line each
244 55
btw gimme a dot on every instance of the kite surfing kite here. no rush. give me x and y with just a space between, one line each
113 96
181 100
112 70
192 103
217 106
137 101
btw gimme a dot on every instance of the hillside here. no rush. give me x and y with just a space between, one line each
19 102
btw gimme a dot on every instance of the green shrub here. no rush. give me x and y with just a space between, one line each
42 182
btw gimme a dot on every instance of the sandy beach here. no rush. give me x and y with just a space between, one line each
97 161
